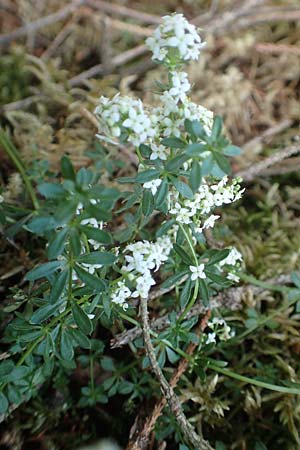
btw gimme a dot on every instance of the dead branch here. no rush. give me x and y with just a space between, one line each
250 173
276 49
268 134
231 299
140 441
119 10
42 22
168 392
99 69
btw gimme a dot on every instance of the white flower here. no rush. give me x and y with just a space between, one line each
210 222
232 277
233 258
120 295
175 32
158 152
211 338
197 272
1 199
153 185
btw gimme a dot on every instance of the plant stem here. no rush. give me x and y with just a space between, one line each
263 384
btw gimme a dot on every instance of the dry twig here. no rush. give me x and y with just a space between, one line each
250 173
168 391
140 441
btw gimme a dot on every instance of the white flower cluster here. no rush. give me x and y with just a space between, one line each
175 40
234 259
219 329
143 257
125 114
205 199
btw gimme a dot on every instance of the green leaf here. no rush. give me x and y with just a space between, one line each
147 202
14 395
295 279
84 177
147 175
232 150
90 280
161 194
107 364
58 286
220 446
51 190
183 254
195 176
80 339
97 235
165 228
104 258
175 163
43 313
67 168
216 256
173 142
100 214
56 245
217 127
185 293
203 289
194 128
40 225
66 345
196 149
6 367
3 403
174 279
75 243
81 319
65 210
222 162
43 271
145 150
183 189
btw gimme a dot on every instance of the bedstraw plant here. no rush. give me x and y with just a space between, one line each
112 251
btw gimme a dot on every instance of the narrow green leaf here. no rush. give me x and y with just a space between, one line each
217 127
147 175
174 279
195 176
58 286
147 202
217 256
66 345
185 293
195 149
203 289
173 142
57 244
43 271
222 162
183 254
98 257
194 128
67 168
161 194
3 403
183 189
90 280
75 242
43 313
175 163
51 190
232 150
96 234
81 319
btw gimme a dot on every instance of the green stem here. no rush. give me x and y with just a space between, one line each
272 287
263 384
13 154
196 289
